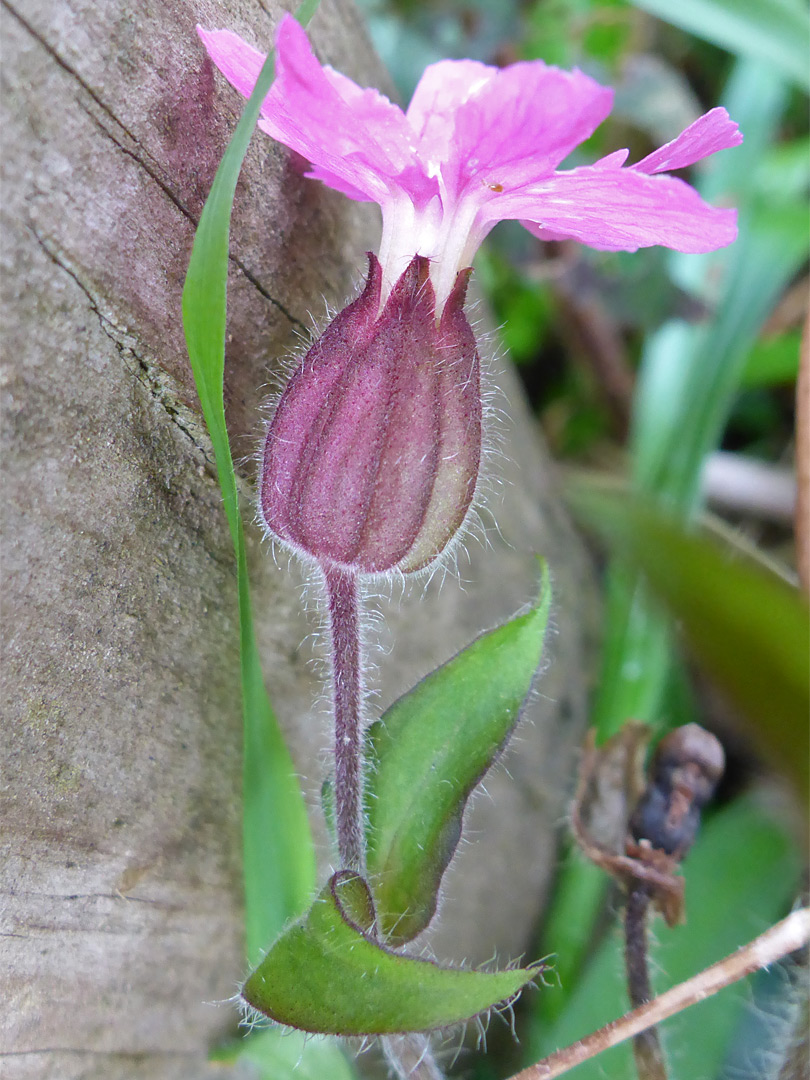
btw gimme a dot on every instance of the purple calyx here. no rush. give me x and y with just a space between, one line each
371 460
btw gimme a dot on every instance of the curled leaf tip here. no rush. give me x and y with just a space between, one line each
329 975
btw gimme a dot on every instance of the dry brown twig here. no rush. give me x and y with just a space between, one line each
785 937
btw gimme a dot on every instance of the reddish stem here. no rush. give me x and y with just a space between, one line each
343 594
646 1045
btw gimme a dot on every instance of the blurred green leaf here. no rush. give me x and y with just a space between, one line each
567 938
783 173
565 32
283 1054
777 31
327 974
772 361
290 1055
547 33
636 654
740 878
522 310
427 754
749 629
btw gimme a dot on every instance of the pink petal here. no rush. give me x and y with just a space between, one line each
711 132
357 140
612 161
622 210
499 129
337 183
442 89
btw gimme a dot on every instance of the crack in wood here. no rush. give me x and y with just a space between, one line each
117 895
149 373
125 1055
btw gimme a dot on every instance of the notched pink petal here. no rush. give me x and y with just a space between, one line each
519 125
623 210
713 131
442 90
348 133
612 161
371 108
338 183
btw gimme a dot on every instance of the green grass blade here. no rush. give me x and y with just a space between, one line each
279 863
777 31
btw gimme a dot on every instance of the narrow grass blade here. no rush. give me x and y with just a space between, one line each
279 864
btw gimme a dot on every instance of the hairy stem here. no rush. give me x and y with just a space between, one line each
647 1050
343 595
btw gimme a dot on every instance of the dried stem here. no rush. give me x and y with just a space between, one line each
343 594
786 937
649 1056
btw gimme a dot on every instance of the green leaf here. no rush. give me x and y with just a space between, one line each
773 361
327 974
281 1054
279 861
292 1055
636 655
740 877
427 754
774 30
747 626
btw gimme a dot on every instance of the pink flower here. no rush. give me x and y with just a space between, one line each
478 145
